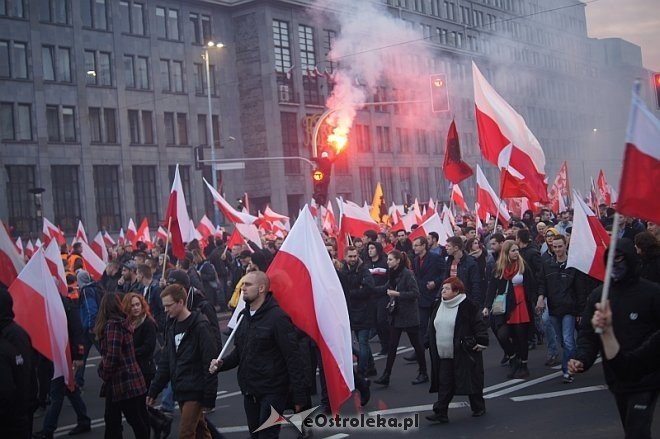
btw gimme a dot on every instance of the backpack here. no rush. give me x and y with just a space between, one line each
90 298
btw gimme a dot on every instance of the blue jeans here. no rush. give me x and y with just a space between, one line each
365 358
550 334
58 391
167 403
565 325
89 340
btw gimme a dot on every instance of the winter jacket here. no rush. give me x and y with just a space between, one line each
562 288
144 341
432 269
635 304
188 366
406 314
197 301
642 361
532 256
499 286
378 270
467 271
468 364
267 355
649 268
119 368
152 296
358 285
88 303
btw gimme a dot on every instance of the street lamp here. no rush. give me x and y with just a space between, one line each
209 123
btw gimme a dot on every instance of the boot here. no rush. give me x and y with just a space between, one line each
522 371
384 379
513 367
365 392
421 378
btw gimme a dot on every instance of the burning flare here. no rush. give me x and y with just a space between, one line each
338 139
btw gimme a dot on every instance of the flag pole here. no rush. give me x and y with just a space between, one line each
167 242
231 337
609 264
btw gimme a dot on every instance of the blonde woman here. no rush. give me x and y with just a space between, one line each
515 281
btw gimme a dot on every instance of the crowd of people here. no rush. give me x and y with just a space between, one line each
154 320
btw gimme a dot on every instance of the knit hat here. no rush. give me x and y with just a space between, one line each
179 277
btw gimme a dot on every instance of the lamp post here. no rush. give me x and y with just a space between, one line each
209 123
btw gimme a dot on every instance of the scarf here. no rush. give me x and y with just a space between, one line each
393 275
510 270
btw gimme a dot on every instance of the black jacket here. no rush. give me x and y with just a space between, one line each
144 343
197 301
152 296
499 286
468 364
407 309
649 268
432 269
562 287
378 270
358 286
266 353
188 366
635 304
532 256
467 271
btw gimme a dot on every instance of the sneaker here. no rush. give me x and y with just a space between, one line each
568 378
553 360
505 360
421 378
522 372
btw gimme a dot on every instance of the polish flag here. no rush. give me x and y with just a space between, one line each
227 210
109 242
56 268
431 207
313 208
480 226
236 239
51 231
433 224
640 177
205 227
29 249
38 244
329 220
121 240
458 198
507 142
604 189
161 234
353 221
219 233
270 215
488 200
560 190
93 264
177 218
131 232
305 284
19 247
448 220
98 245
80 233
589 241
418 212
394 213
39 310
11 262
615 195
143 234
250 232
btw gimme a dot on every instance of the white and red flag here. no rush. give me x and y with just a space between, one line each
205 227
38 244
56 267
250 233
271 216
488 200
458 198
131 232
177 217
19 247
329 220
11 263
589 241
29 249
236 239
51 231
640 178
99 247
604 189
93 263
506 141
142 234
227 210
433 224
81 235
305 284
559 192
161 234
39 310
353 221
109 242
121 240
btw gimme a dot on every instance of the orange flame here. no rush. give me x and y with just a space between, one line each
338 139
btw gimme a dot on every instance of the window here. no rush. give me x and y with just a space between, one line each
94 14
105 69
308 65
366 183
329 37
167 23
55 11
144 189
69 124
63 64
290 145
423 176
136 72
170 138
13 58
5 72
12 8
200 79
201 27
98 66
95 124
129 71
132 17
184 174
106 190
103 126
405 181
202 130
148 127
282 46
20 203
182 128
64 129
90 67
134 126
110 121
48 60
66 196
171 74
386 180
53 123
364 136
15 121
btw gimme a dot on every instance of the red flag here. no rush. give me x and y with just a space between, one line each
177 217
488 200
604 189
11 263
354 221
640 178
235 239
161 234
39 310
588 241
205 227
306 286
19 247
455 169
143 234
507 142
232 214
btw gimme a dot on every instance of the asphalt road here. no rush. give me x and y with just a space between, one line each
540 407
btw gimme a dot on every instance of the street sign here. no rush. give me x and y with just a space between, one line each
229 166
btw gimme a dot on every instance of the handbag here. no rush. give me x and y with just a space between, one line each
392 306
499 304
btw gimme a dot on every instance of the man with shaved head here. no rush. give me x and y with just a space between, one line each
266 353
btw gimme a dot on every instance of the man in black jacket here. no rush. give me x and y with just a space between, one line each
635 304
358 285
466 268
266 353
377 266
151 292
188 346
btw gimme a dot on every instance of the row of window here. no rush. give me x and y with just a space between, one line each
65 180
16 124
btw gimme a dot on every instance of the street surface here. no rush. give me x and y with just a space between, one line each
541 407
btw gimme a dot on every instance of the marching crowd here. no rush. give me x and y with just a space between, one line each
154 321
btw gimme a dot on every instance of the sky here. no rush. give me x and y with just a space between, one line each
637 21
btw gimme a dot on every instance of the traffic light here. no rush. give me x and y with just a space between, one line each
656 85
439 93
321 180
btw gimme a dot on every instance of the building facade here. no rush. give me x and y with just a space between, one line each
100 99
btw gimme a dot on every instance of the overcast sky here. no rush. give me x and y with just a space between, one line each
637 21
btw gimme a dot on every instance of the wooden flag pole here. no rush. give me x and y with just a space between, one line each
231 337
167 243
